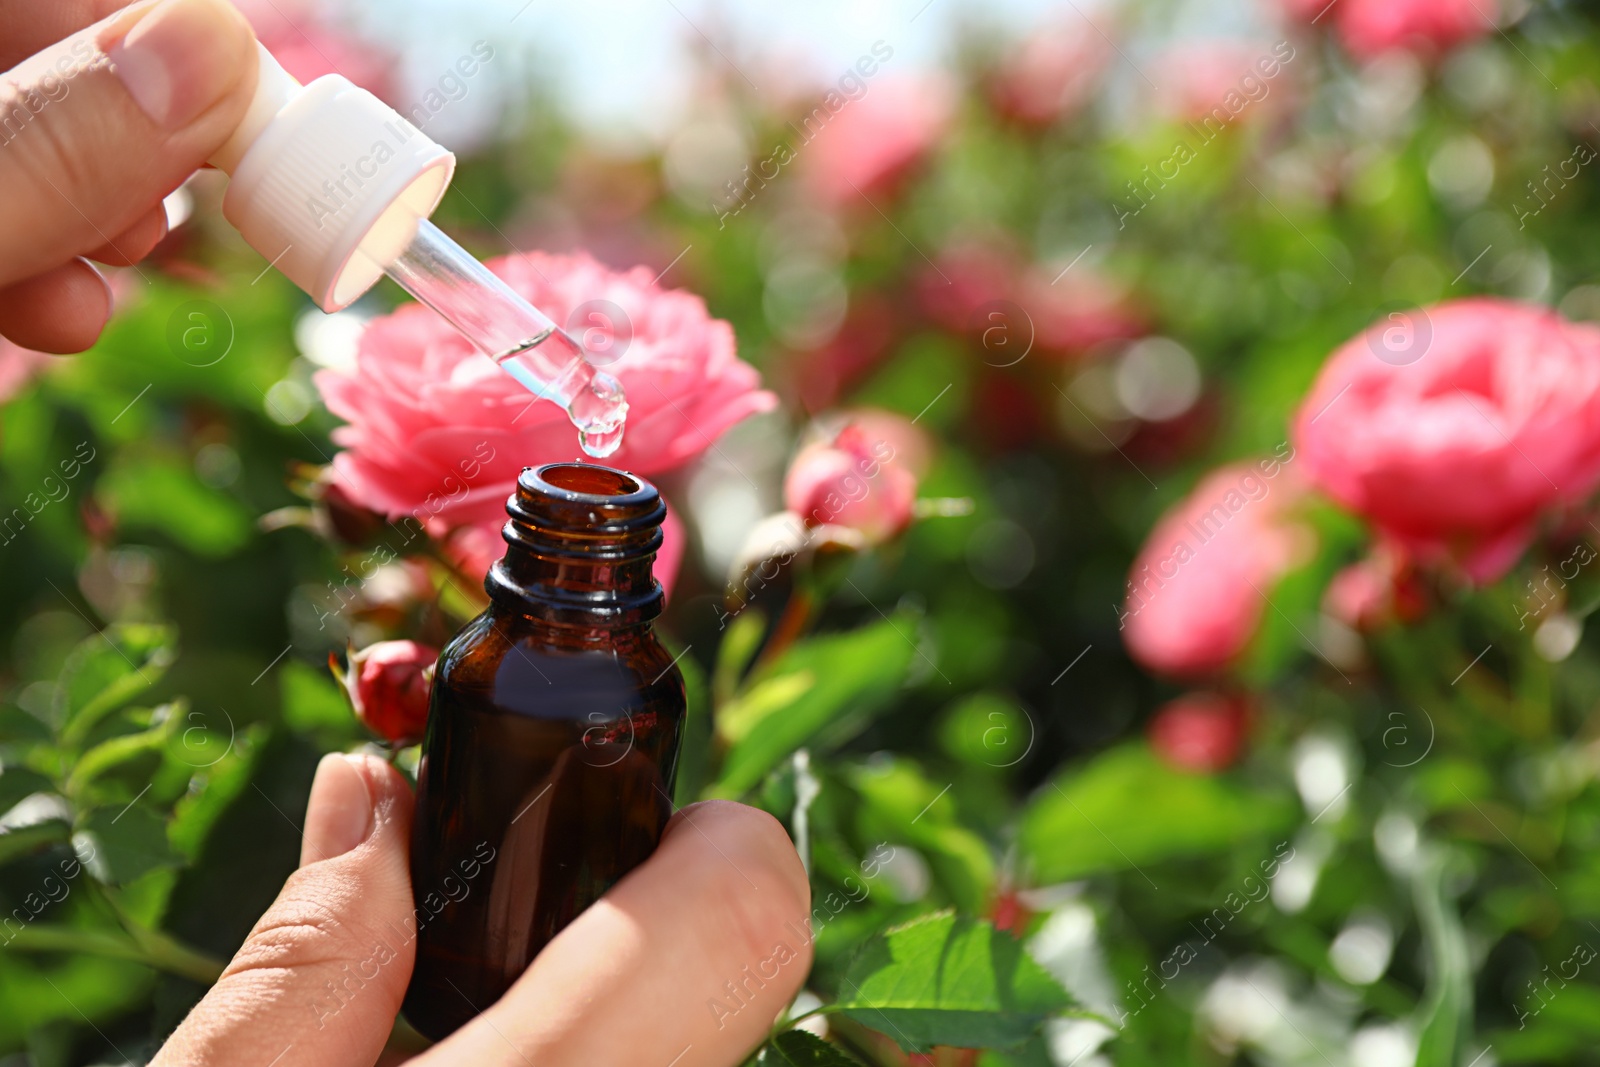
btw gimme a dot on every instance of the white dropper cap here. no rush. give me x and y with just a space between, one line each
328 182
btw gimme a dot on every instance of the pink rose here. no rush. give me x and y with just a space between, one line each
438 432
872 142
1225 81
1376 590
983 289
388 685
1453 428
1199 588
300 36
1202 732
862 479
1051 75
1369 28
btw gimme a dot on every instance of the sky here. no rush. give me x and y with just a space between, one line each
622 66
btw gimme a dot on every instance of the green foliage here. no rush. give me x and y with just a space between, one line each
1127 809
946 980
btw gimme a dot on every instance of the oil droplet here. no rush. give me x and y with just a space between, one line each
601 443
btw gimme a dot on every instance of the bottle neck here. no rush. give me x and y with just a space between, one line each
581 541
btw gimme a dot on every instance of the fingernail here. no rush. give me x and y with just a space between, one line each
168 61
341 807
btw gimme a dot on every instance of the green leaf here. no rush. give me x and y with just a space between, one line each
947 980
126 843
34 823
164 494
816 684
108 755
106 671
899 803
694 753
1126 808
738 648
797 1048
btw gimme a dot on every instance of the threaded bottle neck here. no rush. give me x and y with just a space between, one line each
581 540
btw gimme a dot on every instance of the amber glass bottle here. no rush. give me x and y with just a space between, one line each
552 740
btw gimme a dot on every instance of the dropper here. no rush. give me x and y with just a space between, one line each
335 188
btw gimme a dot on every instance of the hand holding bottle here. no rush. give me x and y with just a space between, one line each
95 129
320 978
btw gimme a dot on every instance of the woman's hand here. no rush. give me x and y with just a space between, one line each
631 981
105 110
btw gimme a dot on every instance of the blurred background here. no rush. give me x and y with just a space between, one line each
1036 288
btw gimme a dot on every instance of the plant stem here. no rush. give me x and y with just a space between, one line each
791 624
153 949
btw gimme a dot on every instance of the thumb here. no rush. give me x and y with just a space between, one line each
319 980
95 130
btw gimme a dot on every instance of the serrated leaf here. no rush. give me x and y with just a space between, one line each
949 980
1126 808
127 843
797 1048
820 681
108 670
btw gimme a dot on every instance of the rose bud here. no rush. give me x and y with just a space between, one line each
859 480
1201 732
388 685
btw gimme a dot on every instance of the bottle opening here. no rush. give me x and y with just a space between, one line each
579 546
586 479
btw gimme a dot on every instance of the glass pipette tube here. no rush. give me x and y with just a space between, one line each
524 341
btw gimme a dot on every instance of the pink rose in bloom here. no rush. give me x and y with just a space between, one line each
300 36
1481 415
1198 590
1202 732
1368 28
388 685
438 432
1052 74
862 478
872 142
983 289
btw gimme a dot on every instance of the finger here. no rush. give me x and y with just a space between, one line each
686 961
60 311
26 26
95 130
136 242
319 979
